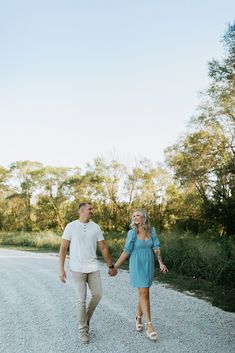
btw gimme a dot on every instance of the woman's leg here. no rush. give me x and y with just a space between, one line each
144 303
139 313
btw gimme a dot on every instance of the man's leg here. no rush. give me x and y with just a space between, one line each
94 283
80 280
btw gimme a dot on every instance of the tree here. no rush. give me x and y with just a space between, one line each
109 187
218 101
146 187
54 194
205 158
24 183
4 191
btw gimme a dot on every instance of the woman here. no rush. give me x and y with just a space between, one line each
141 244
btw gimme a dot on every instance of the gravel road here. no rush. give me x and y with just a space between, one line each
37 314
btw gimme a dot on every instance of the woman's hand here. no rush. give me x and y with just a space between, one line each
163 267
112 272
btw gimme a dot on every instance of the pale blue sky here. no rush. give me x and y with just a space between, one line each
80 79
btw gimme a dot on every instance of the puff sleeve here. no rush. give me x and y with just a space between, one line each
129 246
156 241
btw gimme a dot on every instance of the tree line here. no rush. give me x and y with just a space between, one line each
193 190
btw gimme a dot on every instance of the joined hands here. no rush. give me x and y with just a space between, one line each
112 272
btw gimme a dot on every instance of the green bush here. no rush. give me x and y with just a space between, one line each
203 256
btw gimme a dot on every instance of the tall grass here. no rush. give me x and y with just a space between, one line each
212 259
203 257
41 240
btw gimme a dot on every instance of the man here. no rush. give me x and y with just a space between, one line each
83 235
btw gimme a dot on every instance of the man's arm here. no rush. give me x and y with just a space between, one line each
62 255
107 257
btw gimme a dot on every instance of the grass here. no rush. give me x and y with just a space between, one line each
29 248
204 257
198 265
47 240
218 295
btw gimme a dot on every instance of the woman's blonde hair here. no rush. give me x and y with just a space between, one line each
146 222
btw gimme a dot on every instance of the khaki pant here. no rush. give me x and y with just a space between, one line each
81 280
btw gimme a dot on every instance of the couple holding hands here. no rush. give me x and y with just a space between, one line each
82 237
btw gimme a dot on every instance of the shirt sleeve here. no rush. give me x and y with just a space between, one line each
129 246
100 235
67 233
156 241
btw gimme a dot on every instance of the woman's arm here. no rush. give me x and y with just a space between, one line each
163 268
123 257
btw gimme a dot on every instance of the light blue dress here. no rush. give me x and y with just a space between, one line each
141 263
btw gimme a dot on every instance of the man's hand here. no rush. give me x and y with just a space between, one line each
63 276
62 255
112 272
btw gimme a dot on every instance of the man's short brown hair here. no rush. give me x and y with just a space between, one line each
83 204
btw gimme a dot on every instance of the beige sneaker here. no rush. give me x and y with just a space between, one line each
84 336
